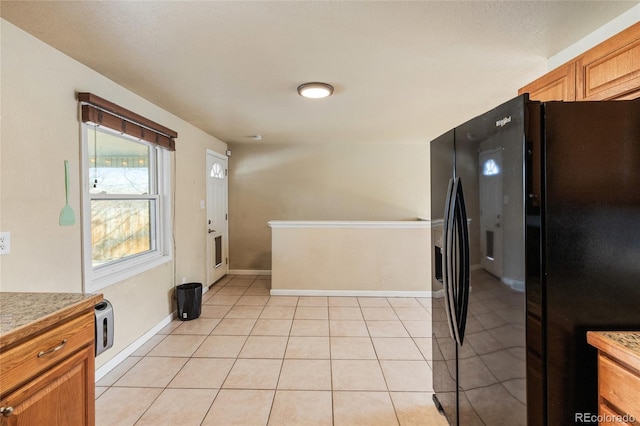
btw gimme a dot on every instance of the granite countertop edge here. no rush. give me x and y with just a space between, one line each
628 341
26 314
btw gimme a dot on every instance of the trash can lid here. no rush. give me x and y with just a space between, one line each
189 286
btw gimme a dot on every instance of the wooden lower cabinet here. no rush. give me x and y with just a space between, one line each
619 391
63 395
618 377
48 378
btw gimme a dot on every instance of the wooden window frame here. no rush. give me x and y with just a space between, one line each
101 112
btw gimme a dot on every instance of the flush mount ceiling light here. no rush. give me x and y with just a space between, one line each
315 90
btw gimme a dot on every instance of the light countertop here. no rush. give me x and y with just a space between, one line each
624 345
24 314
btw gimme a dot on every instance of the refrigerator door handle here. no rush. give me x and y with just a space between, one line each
462 297
447 256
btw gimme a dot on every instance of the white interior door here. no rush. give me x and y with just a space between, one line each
491 199
217 224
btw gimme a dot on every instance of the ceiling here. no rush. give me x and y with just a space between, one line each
403 72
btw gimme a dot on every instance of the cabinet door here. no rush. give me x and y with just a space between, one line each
611 70
557 85
64 395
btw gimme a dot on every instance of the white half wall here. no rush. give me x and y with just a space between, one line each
383 258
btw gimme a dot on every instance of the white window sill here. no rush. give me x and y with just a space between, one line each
119 272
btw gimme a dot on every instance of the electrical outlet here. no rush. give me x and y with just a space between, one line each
5 242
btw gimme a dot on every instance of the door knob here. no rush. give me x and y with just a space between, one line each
211 230
6 411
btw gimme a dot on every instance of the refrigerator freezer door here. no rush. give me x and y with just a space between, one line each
492 362
483 380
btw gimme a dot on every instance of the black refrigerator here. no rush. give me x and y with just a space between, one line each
535 213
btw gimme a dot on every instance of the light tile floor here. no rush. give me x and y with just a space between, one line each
255 359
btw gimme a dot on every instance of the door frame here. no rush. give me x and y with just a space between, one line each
225 231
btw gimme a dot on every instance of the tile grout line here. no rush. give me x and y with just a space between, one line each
384 377
232 365
333 410
191 357
275 391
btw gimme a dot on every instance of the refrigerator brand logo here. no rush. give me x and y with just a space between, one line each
503 122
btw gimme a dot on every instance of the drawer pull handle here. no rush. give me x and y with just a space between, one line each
6 411
52 350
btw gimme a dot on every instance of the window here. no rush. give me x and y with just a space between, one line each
490 168
126 207
126 202
217 171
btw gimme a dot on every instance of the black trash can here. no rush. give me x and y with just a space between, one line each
189 298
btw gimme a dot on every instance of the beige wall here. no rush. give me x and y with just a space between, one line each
319 182
40 129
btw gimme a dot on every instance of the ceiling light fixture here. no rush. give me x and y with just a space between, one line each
315 90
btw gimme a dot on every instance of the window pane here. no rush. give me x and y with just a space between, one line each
117 165
217 171
121 228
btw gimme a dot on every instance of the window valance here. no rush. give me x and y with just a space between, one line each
101 112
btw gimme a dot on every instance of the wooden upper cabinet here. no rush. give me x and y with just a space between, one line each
557 85
610 70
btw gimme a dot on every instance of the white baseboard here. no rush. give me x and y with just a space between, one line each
249 272
351 293
517 285
122 355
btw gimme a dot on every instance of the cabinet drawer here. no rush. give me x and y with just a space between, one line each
21 363
619 386
611 418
